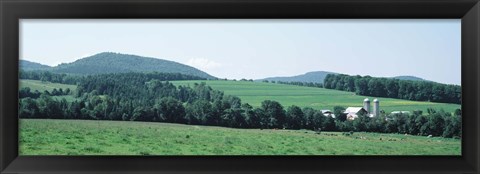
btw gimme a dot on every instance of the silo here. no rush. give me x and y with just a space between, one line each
376 107
366 105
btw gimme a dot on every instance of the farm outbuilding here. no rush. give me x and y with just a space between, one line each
327 113
353 112
400 112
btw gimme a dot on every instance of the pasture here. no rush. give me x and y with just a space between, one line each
49 86
256 92
89 137
318 98
44 86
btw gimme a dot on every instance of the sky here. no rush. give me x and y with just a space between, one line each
259 48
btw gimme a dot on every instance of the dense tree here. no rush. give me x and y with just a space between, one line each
394 88
437 123
308 84
361 86
329 124
29 108
25 92
453 126
273 113
361 123
150 97
170 110
47 76
338 112
313 118
294 118
251 118
198 112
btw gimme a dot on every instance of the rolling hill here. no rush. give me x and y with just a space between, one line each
28 65
315 77
256 92
318 98
319 77
107 62
412 78
48 86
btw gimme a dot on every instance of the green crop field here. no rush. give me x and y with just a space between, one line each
88 137
48 86
256 92
42 86
319 98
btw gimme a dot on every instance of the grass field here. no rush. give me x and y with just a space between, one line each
256 92
319 98
88 137
42 86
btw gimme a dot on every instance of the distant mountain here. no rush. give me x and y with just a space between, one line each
319 77
27 65
315 77
412 78
107 62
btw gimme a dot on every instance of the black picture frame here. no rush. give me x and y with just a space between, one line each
13 10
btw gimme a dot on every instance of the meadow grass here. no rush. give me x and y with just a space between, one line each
44 86
319 98
49 86
90 137
256 92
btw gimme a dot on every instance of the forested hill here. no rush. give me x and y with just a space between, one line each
412 78
395 88
314 77
27 65
319 77
105 63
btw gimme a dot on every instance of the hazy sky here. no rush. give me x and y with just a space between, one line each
261 48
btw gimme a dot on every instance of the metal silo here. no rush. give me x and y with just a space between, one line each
366 105
376 107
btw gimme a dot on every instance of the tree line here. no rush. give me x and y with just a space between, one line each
395 88
308 84
48 76
146 97
70 79
435 123
26 92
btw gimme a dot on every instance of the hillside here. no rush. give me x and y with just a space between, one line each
107 62
319 77
48 86
315 77
44 86
28 65
412 78
319 98
89 137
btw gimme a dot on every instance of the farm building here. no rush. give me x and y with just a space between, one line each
327 113
393 114
400 112
353 112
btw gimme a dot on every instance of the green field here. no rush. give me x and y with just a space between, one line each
44 86
256 92
88 137
48 86
319 98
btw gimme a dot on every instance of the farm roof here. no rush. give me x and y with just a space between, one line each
353 110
